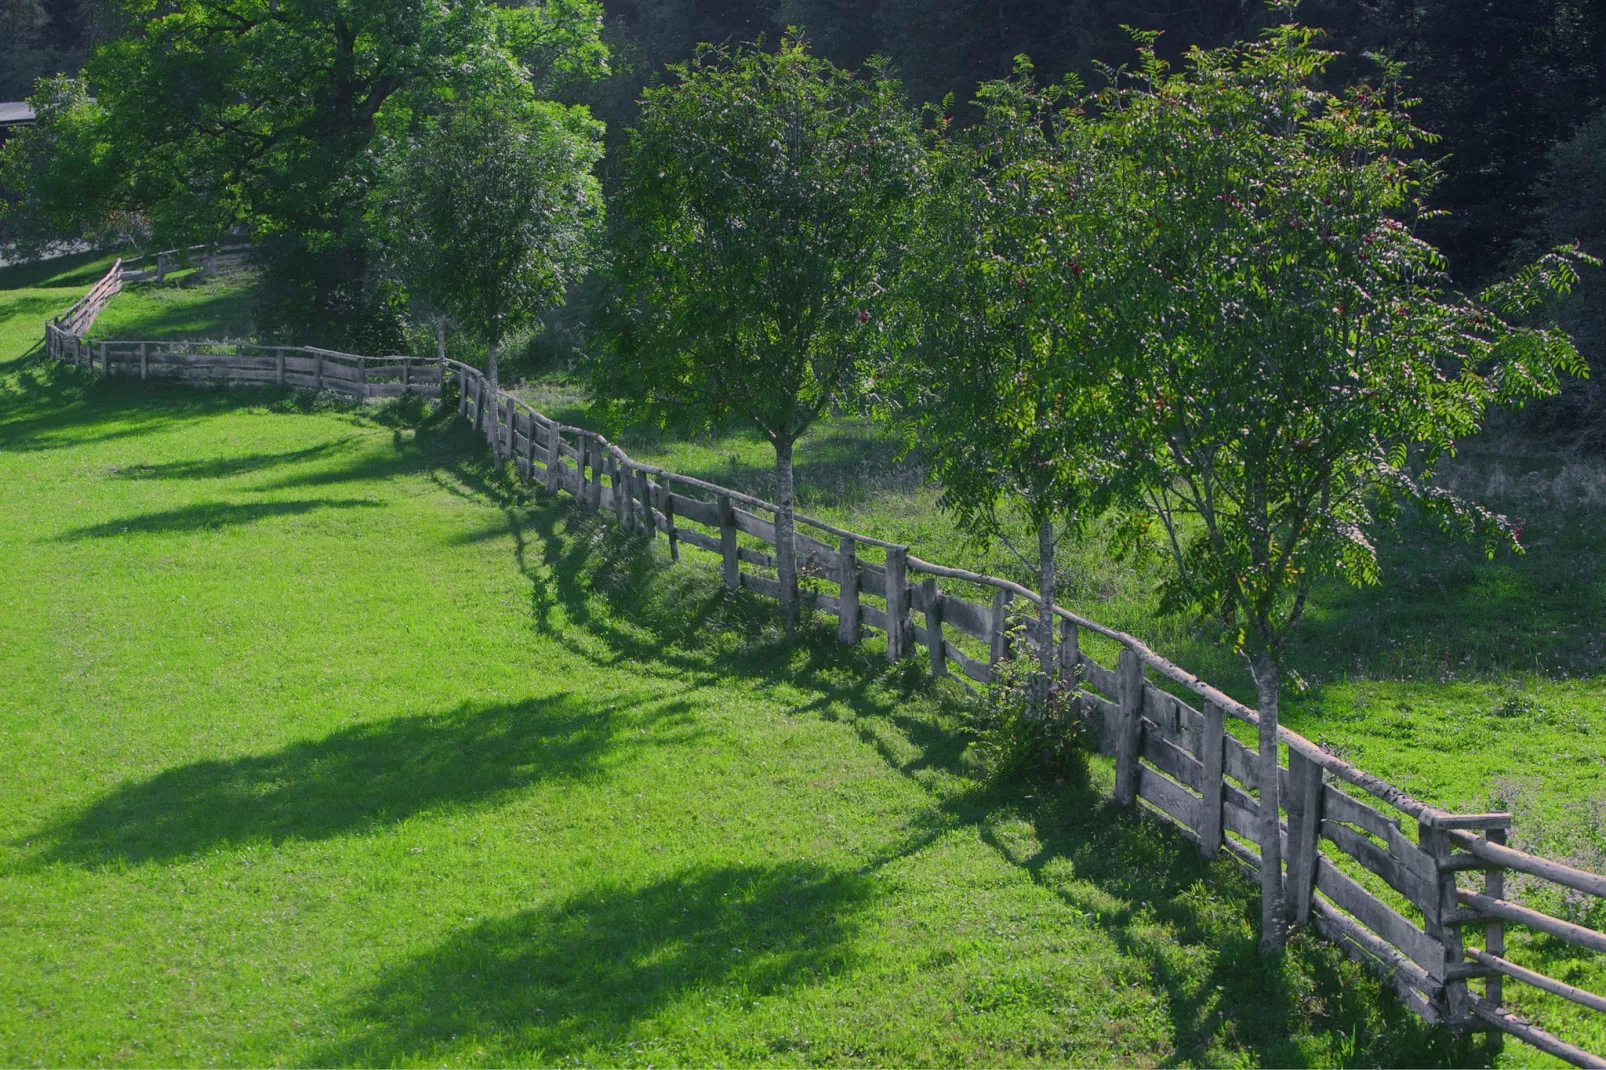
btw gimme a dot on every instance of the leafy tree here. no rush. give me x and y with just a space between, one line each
490 214
764 206
1292 361
52 169
995 373
264 115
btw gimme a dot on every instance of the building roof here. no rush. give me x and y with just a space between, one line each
15 112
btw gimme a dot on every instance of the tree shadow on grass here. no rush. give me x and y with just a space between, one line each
47 406
207 516
73 269
359 777
175 315
1165 907
226 467
571 981
1143 883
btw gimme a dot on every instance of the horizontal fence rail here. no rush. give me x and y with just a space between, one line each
1367 865
205 259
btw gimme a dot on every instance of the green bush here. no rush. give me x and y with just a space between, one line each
1027 724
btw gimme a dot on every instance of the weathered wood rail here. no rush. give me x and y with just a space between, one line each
242 364
206 259
1371 868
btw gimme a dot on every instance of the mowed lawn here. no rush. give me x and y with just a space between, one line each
323 745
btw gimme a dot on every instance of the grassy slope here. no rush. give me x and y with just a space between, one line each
1475 684
1460 679
325 747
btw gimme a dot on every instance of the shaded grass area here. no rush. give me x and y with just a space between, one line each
1472 683
458 775
216 309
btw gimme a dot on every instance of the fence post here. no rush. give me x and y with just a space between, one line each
1304 804
620 480
362 377
1212 755
644 489
727 542
407 375
1129 676
897 604
278 352
1436 843
1070 653
599 465
1000 640
669 524
554 458
105 359
934 636
462 392
319 357
142 362
847 578
1494 933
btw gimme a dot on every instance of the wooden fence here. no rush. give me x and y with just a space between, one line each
206 259
1371 868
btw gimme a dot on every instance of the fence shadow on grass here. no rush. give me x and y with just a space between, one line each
568 982
1165 908
359 777
638 608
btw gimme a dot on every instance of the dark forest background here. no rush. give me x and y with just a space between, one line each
1502 82
1516 90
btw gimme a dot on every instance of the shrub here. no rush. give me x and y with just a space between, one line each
1026 724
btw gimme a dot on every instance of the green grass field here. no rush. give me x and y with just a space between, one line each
326 745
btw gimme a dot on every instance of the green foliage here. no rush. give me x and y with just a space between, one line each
1016 730
1292 362
488 215
264 117
765 204
766 200
52 169
992 378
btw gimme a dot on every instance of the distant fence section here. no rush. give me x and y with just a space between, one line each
239 363
205 259
1407 887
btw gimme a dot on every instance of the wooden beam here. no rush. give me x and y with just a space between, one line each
1304 805
1130 673
847 578
1211 745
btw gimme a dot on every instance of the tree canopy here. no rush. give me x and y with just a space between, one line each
995 380
489 213
766 200
264 116
1290 360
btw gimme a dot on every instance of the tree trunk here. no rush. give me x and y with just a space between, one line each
495 404
785 550
1273 910
1045 611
